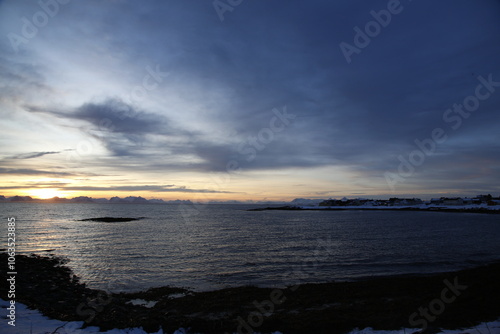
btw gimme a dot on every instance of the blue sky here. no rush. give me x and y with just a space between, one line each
249 100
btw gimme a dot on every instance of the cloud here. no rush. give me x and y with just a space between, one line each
32 155
168 188
148 188
21 80
28 171
122 128
42 185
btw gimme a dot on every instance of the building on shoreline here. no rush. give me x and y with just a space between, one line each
395 201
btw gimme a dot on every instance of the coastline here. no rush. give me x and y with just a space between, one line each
384 303
460 209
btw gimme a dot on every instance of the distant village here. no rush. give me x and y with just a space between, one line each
395 201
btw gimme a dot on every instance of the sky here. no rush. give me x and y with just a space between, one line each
249 100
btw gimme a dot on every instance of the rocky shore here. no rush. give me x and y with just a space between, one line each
449 300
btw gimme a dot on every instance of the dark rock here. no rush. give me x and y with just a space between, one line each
111 219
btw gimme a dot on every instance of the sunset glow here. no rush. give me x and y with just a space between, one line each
46 193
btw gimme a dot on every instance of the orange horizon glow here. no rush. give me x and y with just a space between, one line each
49 193
46 193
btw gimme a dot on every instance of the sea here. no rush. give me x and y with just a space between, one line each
205 247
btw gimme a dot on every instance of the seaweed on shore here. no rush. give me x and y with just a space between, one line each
45 283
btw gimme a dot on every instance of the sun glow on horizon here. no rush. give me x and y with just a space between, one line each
46 193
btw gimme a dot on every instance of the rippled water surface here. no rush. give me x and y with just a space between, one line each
218 246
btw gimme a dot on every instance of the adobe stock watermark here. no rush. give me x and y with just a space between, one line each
11 270
223 6
150 81
246 151
437 306
293 279
31 26
453 118
363 37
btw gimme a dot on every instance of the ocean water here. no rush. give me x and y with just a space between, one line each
215 246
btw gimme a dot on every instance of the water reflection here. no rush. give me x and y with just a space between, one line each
225 246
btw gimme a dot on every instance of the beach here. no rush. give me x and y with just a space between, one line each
453 300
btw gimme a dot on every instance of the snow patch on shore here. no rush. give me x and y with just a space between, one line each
142 302
483 328
32 321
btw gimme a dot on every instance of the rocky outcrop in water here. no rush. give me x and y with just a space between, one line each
111 219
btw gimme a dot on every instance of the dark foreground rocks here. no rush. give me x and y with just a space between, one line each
451 300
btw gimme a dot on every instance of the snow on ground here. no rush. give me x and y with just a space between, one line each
33 322
484 328
145 303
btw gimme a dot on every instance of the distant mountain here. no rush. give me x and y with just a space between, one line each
86 199
19 199
83 199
